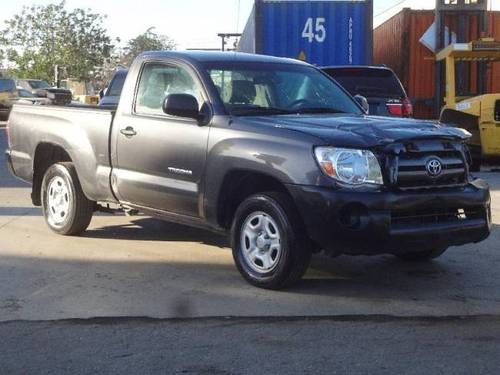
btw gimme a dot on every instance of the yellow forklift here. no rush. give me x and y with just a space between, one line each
480 115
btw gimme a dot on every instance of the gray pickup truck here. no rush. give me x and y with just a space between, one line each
271 151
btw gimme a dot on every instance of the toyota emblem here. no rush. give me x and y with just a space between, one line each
434 167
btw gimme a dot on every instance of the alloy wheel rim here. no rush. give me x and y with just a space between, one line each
261 242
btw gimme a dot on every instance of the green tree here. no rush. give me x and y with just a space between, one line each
147 41
42 37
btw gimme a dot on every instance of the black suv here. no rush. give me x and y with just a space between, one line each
378 84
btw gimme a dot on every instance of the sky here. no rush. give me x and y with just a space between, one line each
191 23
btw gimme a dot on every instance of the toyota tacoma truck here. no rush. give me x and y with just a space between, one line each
270 151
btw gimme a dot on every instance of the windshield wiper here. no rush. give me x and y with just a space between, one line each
317 110
253 110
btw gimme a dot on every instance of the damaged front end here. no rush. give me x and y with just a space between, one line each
429 200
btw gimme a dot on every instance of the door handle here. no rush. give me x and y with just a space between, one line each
128 131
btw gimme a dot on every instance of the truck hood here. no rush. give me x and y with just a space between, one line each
359 131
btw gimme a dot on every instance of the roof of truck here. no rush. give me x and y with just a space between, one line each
217 56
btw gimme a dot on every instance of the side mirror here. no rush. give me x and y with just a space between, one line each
363 103
181 105
101 94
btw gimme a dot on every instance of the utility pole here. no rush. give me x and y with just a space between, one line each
56 75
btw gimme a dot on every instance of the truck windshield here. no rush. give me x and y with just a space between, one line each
39 84
274 89
116 85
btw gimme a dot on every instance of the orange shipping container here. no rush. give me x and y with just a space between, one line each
396 44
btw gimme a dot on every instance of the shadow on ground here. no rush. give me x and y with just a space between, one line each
20 211
151 229
349 276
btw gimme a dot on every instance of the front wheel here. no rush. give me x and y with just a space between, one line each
66 209
270 248
421 256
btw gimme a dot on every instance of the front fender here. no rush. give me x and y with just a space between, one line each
285 159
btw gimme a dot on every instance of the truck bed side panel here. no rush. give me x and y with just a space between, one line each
82 132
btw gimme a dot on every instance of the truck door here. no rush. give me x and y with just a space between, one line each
159 159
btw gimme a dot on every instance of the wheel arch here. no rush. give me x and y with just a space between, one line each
46 154
237 185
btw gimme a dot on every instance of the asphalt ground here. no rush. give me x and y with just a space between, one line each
252 346
168 299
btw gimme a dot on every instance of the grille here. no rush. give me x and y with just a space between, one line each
412 172
436 215
62 98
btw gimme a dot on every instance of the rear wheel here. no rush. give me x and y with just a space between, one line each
269 244
66 209
421 256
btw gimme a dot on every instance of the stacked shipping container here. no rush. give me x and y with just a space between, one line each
321 32
396 44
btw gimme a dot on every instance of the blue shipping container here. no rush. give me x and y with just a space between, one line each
321 32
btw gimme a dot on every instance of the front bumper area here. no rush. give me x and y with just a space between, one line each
373 222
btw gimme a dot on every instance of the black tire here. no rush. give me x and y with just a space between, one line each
295 251
79 210
421 256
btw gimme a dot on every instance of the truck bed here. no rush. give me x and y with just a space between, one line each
83 131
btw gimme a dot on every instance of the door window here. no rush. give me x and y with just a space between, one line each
158 81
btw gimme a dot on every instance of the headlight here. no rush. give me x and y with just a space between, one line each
51 95
350 166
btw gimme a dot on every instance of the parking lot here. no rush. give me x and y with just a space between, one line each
130 267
